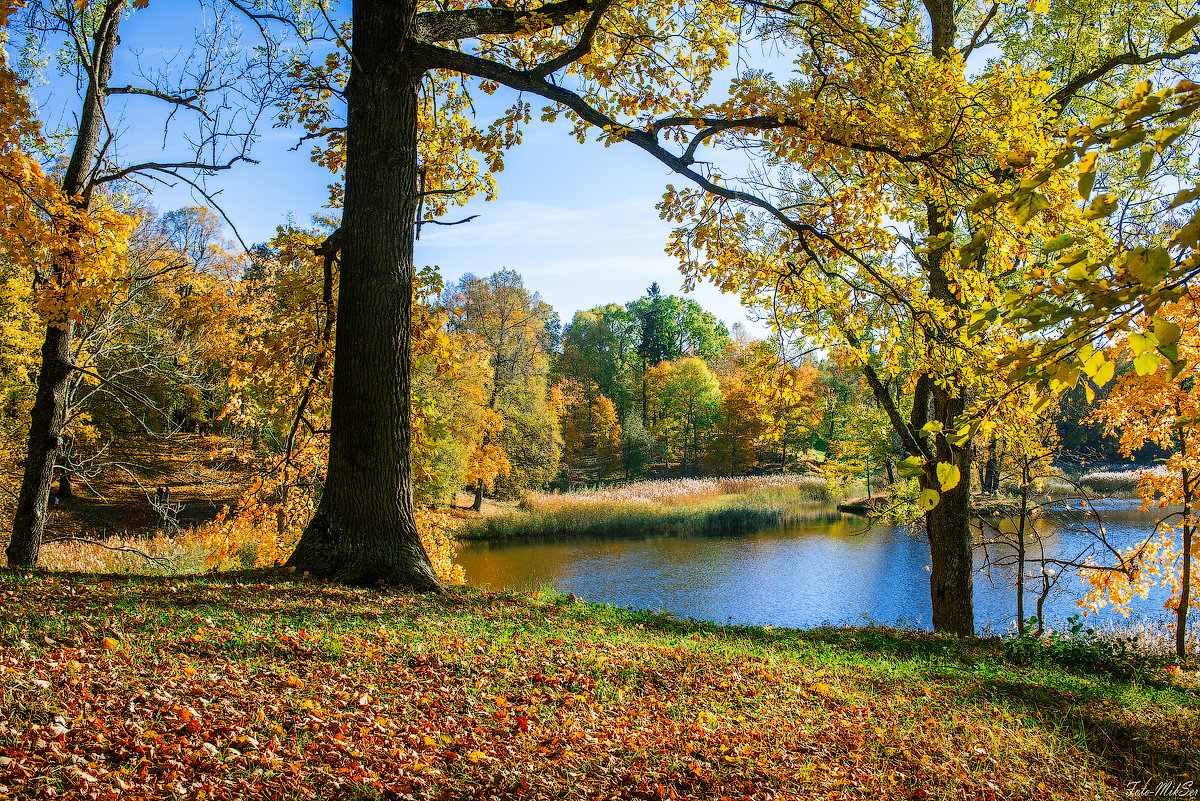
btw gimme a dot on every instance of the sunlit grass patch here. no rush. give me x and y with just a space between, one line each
159 555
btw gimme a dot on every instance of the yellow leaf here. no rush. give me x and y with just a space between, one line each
948 476
1146 363
110 644
929 499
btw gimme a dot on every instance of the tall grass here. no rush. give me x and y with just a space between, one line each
677 492
158 556
1110 482
683 507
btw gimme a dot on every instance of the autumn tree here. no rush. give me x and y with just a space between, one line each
684 398
513 331
222 93
1160 406
591 429
874 223
599 346
404 61
670 327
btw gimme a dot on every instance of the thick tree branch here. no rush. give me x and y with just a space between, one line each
446 26
433 57
1063 97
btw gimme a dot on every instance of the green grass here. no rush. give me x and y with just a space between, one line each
251 686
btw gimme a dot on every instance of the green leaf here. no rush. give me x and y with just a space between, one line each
1149 267
910 467
1072 258
985 201
1036 180
1063 159
1165 331
1059 242
1147 363
1146 161
960 436
948 476
1042 405
1186 196
932 427
1087 174
1102 206
1079 272
1130 139
1028 208
929 499
1166 136
1140 343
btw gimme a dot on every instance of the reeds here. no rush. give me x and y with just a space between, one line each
677 492
1108 482
683 507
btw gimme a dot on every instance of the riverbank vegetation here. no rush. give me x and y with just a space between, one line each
681 507
230 686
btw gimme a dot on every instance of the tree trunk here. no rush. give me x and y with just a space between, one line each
64 492
47 419
1021 546
49 413
364 531
1185 583
948 526
991 474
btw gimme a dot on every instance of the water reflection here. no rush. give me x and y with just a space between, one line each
835 569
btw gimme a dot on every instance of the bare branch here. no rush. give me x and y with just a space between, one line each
186 102
158 560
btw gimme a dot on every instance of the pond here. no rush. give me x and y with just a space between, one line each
834 568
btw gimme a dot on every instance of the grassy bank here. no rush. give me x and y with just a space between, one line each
687 507
169 689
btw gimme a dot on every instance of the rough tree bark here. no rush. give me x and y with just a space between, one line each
49 413
947 525
364 531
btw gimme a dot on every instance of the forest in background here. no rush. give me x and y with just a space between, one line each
507 400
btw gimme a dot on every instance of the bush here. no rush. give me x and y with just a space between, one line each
1084 650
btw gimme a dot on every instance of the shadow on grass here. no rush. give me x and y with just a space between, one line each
1153 747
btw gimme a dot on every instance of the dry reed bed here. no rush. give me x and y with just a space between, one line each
673 492
1117 480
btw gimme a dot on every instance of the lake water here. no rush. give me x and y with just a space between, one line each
835 568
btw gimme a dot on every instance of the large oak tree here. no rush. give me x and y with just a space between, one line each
635 58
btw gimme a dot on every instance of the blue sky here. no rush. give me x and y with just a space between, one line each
576 220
